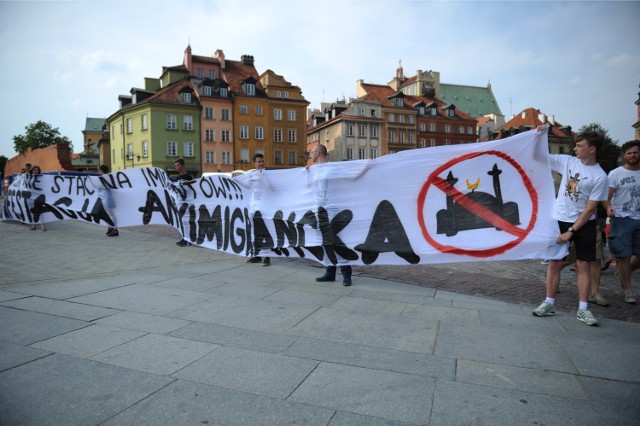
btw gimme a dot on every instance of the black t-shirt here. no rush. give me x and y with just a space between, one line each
185 177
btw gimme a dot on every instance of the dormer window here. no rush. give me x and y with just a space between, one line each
207 90
399 102
250 89
451 112
421 110
186 97
433 111
223 92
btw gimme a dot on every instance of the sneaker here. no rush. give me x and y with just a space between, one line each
266 261
544 310
253 260
183 243
179 243
598 300
586 317
630 298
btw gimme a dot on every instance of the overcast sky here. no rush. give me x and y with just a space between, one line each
63 61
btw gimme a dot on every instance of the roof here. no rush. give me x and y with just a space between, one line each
94 124
475 101
531 118
235 72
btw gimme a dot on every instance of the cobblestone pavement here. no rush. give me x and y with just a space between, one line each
519 281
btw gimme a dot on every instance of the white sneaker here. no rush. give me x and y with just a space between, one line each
586 317
544 310
630 298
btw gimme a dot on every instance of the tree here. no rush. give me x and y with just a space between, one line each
39 135
609 156
3 162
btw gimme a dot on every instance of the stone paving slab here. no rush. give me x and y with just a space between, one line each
63 390
383 394
375 358
66 289
24 328
189 403
88 341
464 403
271 375
233 336
14 355
7 295
144 322
60 308
162 355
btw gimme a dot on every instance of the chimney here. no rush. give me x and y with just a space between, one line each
246 60
552 120
542 117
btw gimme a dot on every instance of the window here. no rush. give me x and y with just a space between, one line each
210 157
469 130
349 153
212 74
374 131
278 156
130 151
187 122
207 90
244 155
411 118
446 142
286 95
244 110
278 94
277 135
209 135
374 113
421 110
292 136
188 149
226 136
186 97
223 93
451 112
208 113
392 118
226 157
349 129
172 149
423 127
250 89
171 122
362 153
225 114
145 148
432 127
244 132
292 156
129 125
433 111
145 122
401 118
361 111
399 102
412 138
292 115
277 114
447 128
362 130
432 142
392 136
422 143
259 110
200 73
461 129
259 132
400 137
374 152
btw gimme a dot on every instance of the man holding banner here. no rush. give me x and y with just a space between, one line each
584 184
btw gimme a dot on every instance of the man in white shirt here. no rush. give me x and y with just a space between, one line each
624 210
584 184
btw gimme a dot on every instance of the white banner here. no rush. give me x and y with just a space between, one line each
485 201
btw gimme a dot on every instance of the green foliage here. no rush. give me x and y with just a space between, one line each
39 135
3 162
608 157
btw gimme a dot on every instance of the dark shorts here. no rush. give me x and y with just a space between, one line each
624 236
584 240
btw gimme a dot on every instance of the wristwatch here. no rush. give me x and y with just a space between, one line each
571 229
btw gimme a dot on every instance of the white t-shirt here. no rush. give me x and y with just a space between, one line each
626 199
580 183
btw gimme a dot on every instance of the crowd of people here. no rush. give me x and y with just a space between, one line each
585 186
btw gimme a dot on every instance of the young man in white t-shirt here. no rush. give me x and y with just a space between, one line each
584 184
624 210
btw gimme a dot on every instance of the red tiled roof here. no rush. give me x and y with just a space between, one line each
171 93
378 93
236 71
532 120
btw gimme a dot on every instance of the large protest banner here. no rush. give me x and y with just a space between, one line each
485 201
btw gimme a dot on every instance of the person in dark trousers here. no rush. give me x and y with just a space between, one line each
183 176
111 231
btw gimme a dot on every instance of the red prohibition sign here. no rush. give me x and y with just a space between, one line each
475 208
